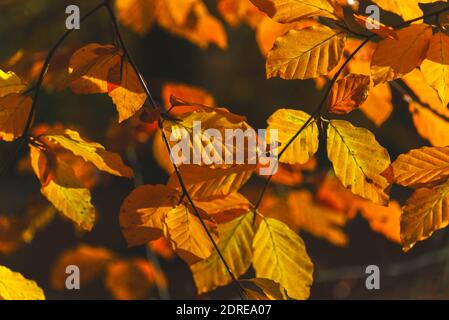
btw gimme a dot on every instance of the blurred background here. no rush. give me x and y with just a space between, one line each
236 78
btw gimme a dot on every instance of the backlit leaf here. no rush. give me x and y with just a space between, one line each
13 286
358 160
349 93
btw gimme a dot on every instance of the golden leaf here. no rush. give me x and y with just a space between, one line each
13 286
143 212
138 15
424 167
378 107
187 234
409 51
358 160
279 254
225 209
285 11
204 183
10 83
435 67
306 53
287 122
425 212
14 111
349 93
235 242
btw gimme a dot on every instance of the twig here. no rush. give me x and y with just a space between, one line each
178 173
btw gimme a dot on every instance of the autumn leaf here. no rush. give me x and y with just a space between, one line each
125 90
376 27
91 261
13 286
378 107
425 212
143 212
424 167
349 93
225 209
406 9
279 254
188 235
358 160
186 93
306 53
10 83
138 15
133 279
205 183
287 122
14 106
268 31
285 11
235 242
89 68
435 67
191 20
409 52
14 111
384 220
91 152
162 248
61 187
271 290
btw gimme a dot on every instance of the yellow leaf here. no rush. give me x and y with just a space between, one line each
422 167
358 160
279 254
384 220
408 9
143 212
192 21
306 53
235 242
14 111
425 212
430 125
187 234
409 51
349 93
269 30
89 68
204 183
91 152
285 11
271 289
10 83
125 90
91 261
378 107
138 15
435 67
225 209
186 93
287 122
13 286
62 188
133 279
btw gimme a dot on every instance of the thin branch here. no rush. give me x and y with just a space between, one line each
164 136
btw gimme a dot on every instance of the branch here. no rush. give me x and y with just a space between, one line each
164 136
